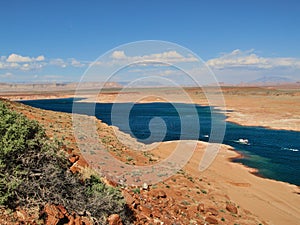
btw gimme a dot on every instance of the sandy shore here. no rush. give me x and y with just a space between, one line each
272 201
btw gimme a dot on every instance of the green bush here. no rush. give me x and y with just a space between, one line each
34 173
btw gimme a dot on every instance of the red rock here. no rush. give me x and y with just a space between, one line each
51 220
211 220
212 211
77 221
74 168
53 214
231 208
156 213
200 207
162 194
178 193
71 220
176 209
73 159
21 214
62 209
147 211
141 218
181 206
110 181
128 198
114 219
86 221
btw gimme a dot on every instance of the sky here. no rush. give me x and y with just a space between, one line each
240 41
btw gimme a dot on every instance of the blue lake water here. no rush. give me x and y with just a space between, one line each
275 153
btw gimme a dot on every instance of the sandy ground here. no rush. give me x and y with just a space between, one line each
272 201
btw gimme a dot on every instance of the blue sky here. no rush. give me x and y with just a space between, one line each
239 40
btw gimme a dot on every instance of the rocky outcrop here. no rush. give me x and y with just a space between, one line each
231 208
59 215
114 219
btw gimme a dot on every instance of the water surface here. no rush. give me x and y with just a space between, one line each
275 153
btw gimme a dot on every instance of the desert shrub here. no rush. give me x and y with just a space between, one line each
34 172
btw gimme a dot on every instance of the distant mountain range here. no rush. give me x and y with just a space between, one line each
272 80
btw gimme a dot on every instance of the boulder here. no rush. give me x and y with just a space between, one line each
211 220
212 211
200 207
231 208
162 194
114 219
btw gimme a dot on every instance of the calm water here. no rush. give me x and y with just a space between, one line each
275 153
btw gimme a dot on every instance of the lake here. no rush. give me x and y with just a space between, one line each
275 153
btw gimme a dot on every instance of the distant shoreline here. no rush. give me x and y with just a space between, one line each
245 106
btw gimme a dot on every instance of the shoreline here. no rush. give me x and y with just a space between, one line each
252 170
233 114
245 188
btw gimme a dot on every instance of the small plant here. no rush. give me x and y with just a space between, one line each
191 179
129 158
136 191
203 191
184 202
223 219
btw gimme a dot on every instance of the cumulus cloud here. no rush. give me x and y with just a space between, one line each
169 56
28 63
242 66
76 63
118 55
15 58
58 62
40 58
249 60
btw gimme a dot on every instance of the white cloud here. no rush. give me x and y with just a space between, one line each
242 66
168 56
15 58
12 65
58 62
40 58
76 63
27 63
118 55
67 62
249 60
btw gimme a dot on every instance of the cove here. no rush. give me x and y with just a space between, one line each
275 153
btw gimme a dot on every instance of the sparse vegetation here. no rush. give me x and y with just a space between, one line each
34 172
203 191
